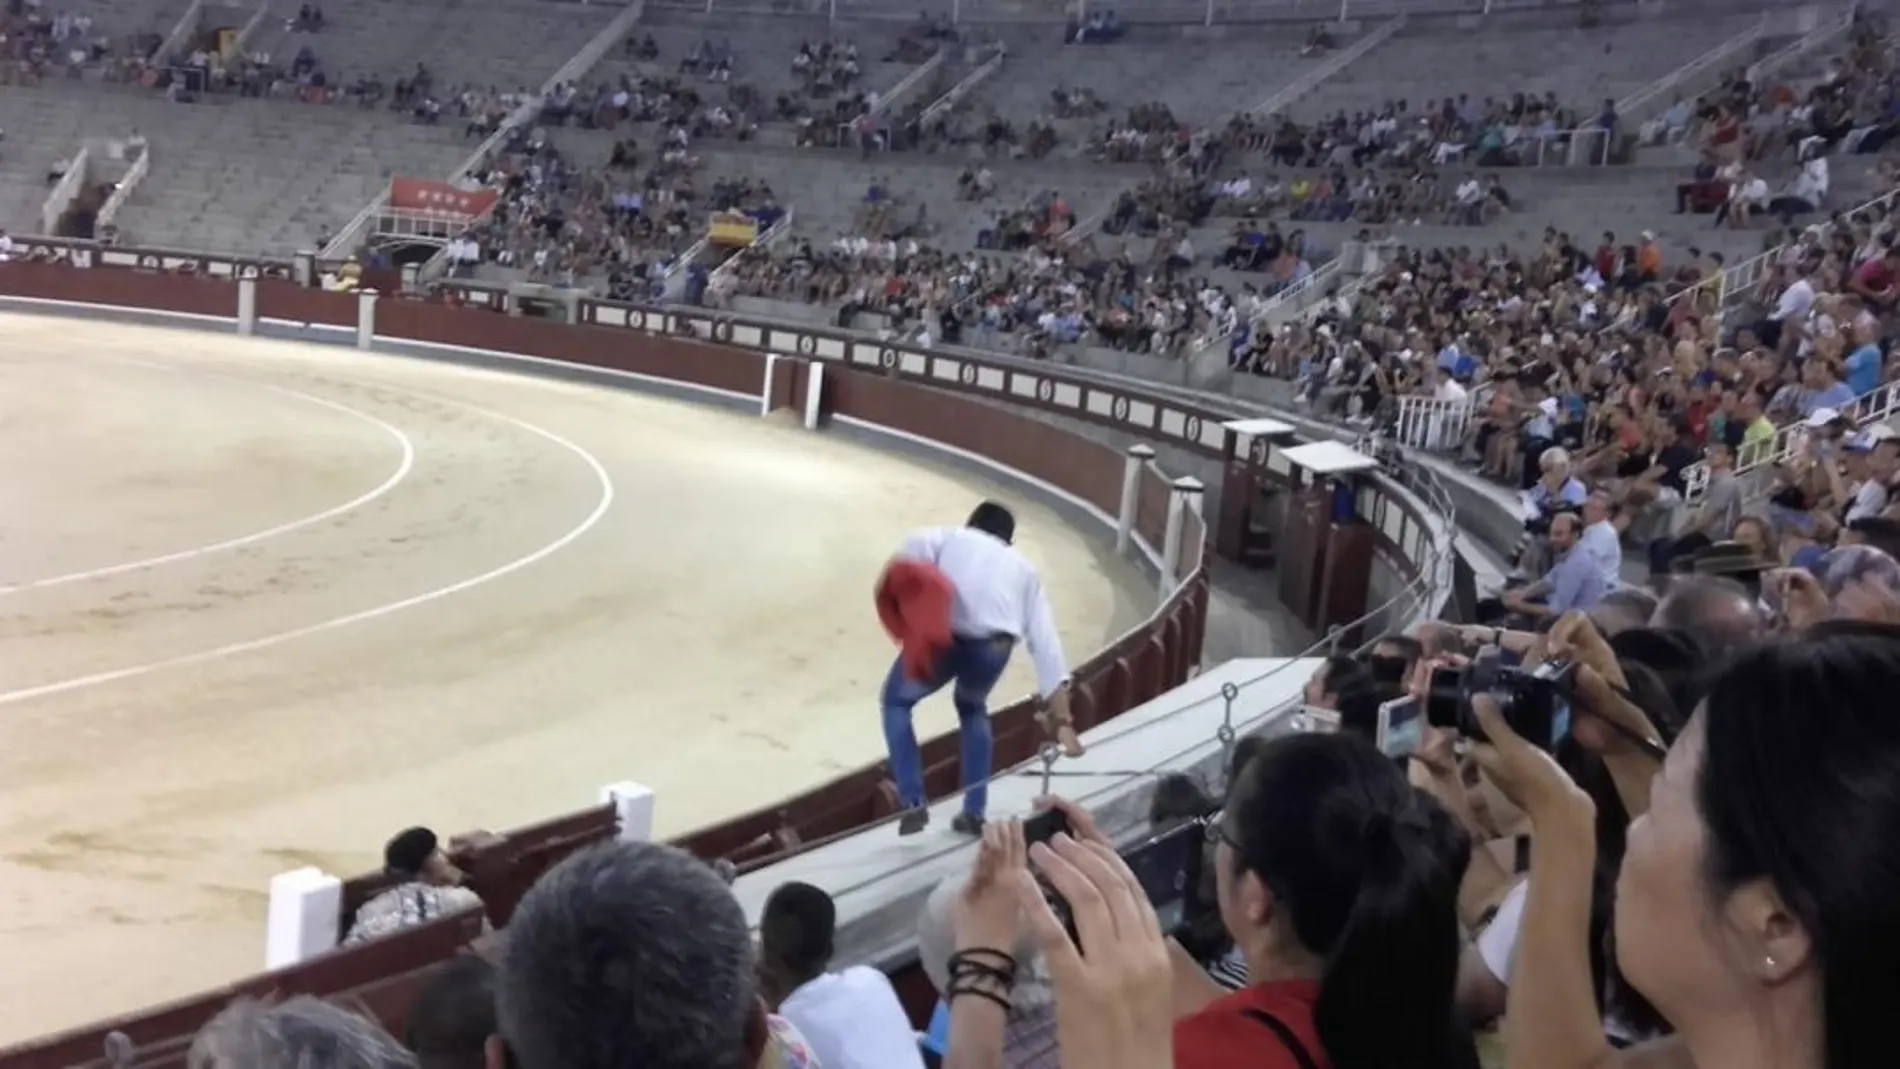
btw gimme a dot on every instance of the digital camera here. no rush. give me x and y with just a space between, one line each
1535 703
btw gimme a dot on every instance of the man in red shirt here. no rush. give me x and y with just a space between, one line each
1874 280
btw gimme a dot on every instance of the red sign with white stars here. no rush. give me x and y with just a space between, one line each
425 195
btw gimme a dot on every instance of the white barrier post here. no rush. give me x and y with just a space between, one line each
1138 456
365 318
814 393
1171 539
301 919
1193 490
633 805
765 394
247 306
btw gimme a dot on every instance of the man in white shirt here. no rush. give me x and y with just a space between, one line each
852 1019
999 601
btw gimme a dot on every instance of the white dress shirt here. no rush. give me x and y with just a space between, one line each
852 1020
997 593
1795 301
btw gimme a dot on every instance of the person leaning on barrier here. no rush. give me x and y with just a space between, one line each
297 1033
1762 924
427 887
634 954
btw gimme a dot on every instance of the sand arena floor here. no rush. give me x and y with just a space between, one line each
263 604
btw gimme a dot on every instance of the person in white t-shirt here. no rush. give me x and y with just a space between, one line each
851 1019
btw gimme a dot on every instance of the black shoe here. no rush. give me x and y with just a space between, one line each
913 820
967 823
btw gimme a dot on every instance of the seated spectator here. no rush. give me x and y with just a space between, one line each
1574 580
635 954
450 1022
426 887
852 1019
300 1031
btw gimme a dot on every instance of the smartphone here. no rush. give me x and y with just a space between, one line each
1401 727
1168 867
1045 826
1041 828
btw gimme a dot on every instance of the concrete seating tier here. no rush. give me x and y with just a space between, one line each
506 44
1432 61
762 48
1203 82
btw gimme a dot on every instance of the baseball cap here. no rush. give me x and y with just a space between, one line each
1821 417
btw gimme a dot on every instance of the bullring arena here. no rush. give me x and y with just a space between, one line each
265 602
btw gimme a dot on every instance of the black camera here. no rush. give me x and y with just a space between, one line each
1535 703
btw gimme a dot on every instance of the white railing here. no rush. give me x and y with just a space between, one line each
1756 463
1628 108
910 81
242 42
1291 93
1818 38
962 89
181 32
1130 12
64 190
1433 424
1739 280
573 70
766 237
142 166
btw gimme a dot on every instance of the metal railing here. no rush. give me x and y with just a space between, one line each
109 211
1291 93
1818 38
1630 107
63 191
1739 280
1433 424
964 86
1755 462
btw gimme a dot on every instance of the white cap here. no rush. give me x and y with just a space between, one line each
1821 417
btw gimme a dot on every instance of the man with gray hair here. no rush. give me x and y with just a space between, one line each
1718 612
630 954
298 1033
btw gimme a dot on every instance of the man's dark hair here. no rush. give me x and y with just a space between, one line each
994 519
410 849
1879 532
628 954
453 1016
797 930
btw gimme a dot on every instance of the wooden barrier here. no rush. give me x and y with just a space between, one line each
989 406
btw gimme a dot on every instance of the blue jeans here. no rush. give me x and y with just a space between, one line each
976 665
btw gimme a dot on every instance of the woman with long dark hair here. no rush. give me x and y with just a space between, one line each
1339 883
1758 906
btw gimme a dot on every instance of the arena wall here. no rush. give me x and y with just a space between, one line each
1005 412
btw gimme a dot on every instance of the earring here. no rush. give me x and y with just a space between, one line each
1771 961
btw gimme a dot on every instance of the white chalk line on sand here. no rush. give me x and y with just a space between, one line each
606 482
403 468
